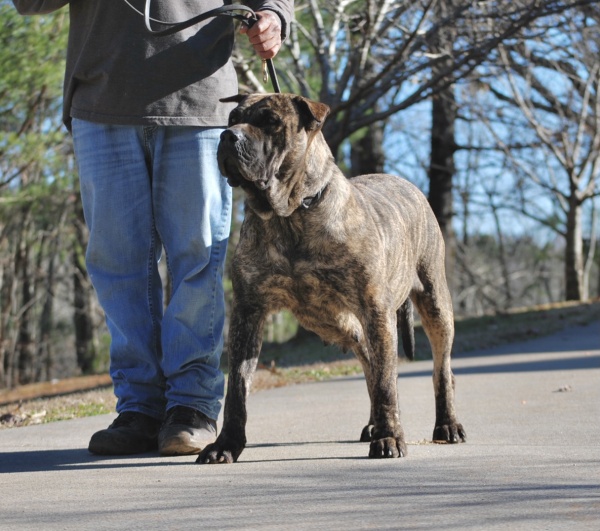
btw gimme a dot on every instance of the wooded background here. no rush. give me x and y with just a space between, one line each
491 107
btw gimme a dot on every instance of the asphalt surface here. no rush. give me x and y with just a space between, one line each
532 459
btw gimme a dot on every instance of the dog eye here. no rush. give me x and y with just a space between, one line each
234 117
267 118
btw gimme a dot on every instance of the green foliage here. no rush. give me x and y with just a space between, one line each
32 53
32 139
32 61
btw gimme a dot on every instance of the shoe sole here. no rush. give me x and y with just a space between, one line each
110 445
176 446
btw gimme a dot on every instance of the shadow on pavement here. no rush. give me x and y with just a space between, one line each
81 459
70 459
564 364
574 339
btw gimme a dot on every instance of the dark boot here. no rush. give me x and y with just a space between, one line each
185 431
130 433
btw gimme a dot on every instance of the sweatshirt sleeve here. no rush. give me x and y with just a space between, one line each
38 7
283 8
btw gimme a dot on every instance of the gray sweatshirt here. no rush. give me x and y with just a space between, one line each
119 73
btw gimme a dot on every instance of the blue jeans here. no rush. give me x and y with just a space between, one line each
147 188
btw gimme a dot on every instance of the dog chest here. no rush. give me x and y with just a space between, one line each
325 297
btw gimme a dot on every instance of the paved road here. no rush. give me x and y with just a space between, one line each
532 460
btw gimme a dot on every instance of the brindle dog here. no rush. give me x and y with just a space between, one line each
346 256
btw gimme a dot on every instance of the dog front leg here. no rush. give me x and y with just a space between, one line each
387 437
245 341
362 354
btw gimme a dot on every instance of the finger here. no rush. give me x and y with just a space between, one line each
268 22
265 34
268 50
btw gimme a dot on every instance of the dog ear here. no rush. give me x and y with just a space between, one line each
236 99
312 113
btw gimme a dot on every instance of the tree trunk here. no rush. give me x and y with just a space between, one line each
83 322
443 145
441 171
502 258
46 319
366 154
25 342
7 283
574 252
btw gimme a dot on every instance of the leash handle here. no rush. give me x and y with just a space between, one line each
227 11
231 10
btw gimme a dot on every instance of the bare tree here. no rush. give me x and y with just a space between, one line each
549 129
360 53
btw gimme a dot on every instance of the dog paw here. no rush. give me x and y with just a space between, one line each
451 433
366 433
219 452
387 447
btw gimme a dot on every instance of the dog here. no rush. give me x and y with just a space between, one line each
348 257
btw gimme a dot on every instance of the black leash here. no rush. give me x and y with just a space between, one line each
231 10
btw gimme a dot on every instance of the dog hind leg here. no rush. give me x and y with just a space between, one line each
435 308
405 318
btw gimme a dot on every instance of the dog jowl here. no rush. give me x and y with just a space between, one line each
349 258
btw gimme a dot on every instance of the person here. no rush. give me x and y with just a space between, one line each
145 118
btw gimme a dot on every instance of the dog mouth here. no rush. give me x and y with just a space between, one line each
237 163
236 176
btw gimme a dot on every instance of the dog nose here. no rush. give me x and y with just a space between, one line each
231 136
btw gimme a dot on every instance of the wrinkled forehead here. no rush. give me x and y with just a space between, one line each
253 104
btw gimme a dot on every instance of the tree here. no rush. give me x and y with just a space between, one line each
38 196
548 129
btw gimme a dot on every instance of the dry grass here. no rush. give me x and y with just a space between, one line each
309 360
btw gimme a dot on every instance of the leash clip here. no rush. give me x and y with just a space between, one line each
265 71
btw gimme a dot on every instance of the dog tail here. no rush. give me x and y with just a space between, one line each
406 324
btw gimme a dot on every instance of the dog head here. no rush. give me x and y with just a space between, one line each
265 147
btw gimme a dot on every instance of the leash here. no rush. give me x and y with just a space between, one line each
231 10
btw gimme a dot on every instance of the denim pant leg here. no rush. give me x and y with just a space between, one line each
192 210
121 258
137 182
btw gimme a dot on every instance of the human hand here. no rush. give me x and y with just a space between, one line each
265 34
